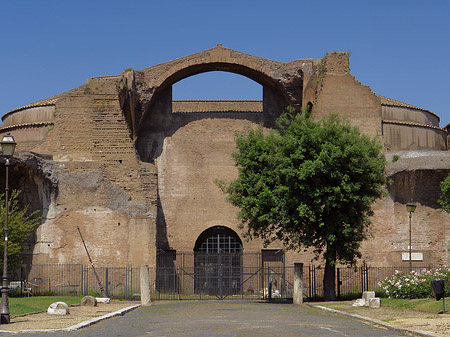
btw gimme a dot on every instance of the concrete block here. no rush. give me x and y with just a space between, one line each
360 302
375 302
106 300
367 295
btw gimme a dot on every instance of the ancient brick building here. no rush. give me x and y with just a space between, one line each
135 170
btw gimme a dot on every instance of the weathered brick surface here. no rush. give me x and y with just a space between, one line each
342 94
193 158
217 106
136 171
103 188
430 234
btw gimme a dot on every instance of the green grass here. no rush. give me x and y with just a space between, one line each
423 304
25 305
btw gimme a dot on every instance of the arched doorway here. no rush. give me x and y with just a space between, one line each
218 262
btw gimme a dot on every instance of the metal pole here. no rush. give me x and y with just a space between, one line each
5 317
410 261
92 265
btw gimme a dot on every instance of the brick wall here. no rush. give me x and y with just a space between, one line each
342 94
102 186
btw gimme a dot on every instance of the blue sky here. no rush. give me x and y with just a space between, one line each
400 48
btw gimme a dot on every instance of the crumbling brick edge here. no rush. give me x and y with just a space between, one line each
84 324
376 321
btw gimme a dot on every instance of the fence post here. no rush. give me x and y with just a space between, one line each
338 275
145 286
309 280
81 281
367 276
298 283
106 282
131 282
126 283
178 280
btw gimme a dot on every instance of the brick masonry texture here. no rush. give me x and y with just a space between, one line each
136 171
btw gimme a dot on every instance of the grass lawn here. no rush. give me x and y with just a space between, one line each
25 305
421 304
393 309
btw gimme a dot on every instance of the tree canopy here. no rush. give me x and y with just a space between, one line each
21 224
310 184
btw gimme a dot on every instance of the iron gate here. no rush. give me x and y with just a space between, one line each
221 276
218 274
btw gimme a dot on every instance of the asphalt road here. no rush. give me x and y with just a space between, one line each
226 318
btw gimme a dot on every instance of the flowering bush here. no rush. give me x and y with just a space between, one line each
416 284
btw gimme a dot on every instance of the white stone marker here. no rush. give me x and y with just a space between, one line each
58 308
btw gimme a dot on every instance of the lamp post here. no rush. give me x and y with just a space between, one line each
410 207
8 146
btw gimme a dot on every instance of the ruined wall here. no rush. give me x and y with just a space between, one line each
282 82
135 170
339 92
190 200
429 223
191 145
217 106
101 185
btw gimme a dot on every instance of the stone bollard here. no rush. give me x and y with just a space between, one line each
58 308
89 301
298 283
367 295
375 302
145 286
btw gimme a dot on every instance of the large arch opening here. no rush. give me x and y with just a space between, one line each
255 98
218 262
191 143
217 85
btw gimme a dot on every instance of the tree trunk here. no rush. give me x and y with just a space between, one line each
329 277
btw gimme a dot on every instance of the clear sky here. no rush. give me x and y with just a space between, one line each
400 48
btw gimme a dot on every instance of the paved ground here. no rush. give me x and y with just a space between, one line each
224 318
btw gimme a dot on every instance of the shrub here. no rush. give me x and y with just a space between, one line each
416 284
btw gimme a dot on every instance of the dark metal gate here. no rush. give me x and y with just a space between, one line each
218 262
220 276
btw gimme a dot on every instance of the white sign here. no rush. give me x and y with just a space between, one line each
414 256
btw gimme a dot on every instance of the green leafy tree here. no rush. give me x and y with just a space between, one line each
309 184
444 200
21 224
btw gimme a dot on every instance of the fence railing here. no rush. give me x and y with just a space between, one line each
78 279
197 282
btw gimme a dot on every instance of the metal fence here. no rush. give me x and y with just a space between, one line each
223 282
230 277
350 282
78 279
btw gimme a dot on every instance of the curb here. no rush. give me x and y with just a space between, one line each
376 321
84 324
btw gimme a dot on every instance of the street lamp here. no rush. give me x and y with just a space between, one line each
410 207
8 146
